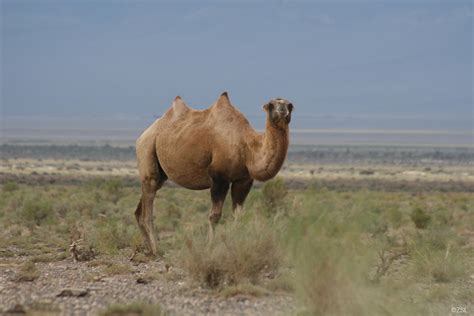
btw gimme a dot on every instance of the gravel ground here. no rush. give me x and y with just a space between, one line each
89 290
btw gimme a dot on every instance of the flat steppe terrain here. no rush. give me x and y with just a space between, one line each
342 230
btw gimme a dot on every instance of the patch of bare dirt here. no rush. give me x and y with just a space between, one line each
84 288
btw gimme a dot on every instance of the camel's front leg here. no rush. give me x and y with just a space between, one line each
219 189
240 190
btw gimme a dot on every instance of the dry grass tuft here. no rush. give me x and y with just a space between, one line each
386 259
115 269
441 266
324 282
282 283
420 218
274 195
240 252
27 272
49 257
81 253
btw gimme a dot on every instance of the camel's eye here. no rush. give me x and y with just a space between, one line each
290 107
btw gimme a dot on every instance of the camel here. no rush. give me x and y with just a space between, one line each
214 149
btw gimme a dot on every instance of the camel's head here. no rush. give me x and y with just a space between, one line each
279 111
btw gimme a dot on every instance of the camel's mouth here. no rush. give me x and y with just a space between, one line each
283 113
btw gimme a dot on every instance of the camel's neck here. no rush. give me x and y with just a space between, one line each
268 152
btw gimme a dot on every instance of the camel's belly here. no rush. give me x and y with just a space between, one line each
191 182
187 168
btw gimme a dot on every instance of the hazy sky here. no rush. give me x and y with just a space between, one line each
130 58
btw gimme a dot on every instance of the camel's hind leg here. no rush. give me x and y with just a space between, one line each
239 191
219 189
152 178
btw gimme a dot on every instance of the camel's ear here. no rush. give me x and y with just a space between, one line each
268 107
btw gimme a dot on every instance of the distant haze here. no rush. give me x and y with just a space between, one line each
344 64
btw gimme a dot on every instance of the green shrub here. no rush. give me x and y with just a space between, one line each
395 216
420 218
10 186
113 188
37 210
274 193
112 235
168 215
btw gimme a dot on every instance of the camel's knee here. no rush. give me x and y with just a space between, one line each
150 184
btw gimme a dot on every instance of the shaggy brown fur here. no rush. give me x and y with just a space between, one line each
214 148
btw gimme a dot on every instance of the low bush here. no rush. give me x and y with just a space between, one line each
113 187
112 235
420 218
37 210
240 252
274 195
10 186
437 259
27 272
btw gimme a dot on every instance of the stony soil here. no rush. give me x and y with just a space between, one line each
82 288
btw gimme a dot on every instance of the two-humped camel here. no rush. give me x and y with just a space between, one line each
216 148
